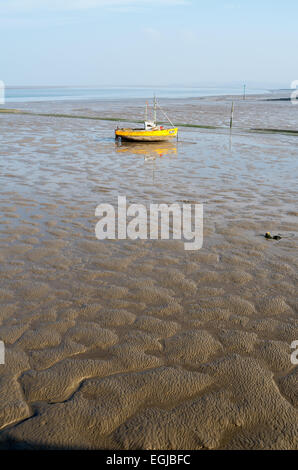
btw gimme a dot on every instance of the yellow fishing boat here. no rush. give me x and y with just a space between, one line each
150 133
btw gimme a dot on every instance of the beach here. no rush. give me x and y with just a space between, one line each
122 344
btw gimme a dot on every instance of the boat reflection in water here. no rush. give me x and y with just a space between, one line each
150 151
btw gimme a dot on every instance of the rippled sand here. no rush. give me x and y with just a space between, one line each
142 345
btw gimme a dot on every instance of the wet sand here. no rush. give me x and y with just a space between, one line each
140 344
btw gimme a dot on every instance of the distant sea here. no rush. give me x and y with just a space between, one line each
29 94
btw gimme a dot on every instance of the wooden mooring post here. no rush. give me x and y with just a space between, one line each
232 115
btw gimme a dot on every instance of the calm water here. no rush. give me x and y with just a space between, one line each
29 94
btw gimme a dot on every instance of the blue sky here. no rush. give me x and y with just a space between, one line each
142 42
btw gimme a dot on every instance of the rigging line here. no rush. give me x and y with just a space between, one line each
165 114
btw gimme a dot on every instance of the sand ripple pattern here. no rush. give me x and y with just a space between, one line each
141 345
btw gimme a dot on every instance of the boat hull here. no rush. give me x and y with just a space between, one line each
141 135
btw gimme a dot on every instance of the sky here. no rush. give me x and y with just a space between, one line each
148 42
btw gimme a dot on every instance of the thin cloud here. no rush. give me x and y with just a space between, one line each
152 33
14 6
232 6
188 35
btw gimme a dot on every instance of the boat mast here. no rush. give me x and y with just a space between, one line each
146 111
